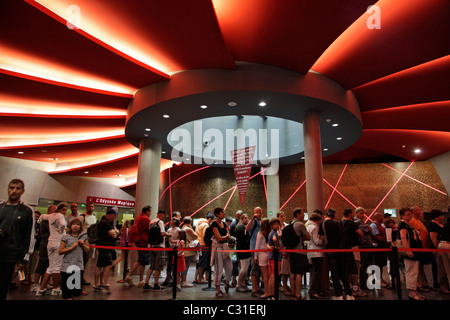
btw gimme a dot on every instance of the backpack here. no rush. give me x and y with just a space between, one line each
154 234
92 233
208 236
288 236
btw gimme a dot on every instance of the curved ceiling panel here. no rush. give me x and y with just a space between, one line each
290 34
411 32
69 68
166 35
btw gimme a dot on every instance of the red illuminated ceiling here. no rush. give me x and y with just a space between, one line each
64 92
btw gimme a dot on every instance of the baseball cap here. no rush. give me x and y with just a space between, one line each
110 211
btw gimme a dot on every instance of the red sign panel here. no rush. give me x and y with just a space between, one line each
242 163
111 202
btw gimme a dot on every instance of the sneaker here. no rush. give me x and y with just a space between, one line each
359 293
146 287
156 287
243 289
186 285
56 292
40 292
219 294
35 288
227 286
129 281
97 289
141 284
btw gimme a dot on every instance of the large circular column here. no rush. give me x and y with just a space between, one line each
313 162
273 194
147 186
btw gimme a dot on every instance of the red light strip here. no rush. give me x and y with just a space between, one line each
224 208
264 181
334 188
180 179
65 84
293 194
354 206
389 191
170 195
426 185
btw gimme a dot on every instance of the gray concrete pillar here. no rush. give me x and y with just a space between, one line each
313 162
273 195
147 186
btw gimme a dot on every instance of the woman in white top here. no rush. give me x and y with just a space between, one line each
262 258
316 258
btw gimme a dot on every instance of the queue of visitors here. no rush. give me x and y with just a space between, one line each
55 247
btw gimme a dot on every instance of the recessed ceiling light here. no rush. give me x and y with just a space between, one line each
232 104
335 125
145 135
148 129
166 116
417 151
86 172
20 152
163 152
325 149
338 138
43 150
328 120
262 104
203 106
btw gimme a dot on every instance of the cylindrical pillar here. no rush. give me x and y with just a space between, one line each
313 162
147 186
273 194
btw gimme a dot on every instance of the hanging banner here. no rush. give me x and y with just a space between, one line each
110 202
242 163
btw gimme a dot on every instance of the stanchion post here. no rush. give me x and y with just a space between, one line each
395 262
125 262
277 277
175 272
209 270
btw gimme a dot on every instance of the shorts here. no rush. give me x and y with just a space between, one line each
54 260
156 261
298 263
104 258
256 270
272 267
205 257
144 258
263 259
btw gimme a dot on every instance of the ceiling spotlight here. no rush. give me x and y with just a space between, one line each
148 129
328 120
262 104
20 152
417 151
335 125
86 172
232 104
203 106
338 138
166 116
325 149
163 152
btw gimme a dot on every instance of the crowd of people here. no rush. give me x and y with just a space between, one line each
55 248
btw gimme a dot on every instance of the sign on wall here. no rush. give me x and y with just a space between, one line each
242 163
110 202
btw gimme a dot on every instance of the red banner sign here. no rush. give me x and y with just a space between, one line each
111 202
242 163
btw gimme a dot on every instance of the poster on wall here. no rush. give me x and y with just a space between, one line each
242 163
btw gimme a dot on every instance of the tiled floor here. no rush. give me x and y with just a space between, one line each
121 291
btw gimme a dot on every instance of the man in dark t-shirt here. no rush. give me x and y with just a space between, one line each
107 237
